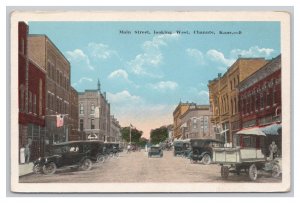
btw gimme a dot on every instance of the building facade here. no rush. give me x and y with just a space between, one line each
178 112
223 96
260 96
94 115
196 123
74 115
31 98
115 131
57 93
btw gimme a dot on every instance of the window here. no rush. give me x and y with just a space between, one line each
30 102
34 104
81 124
194 123
22 94
268 99
22 46
40 97
262 101
92 109
92 124
81 109
48 69
257 102
230 85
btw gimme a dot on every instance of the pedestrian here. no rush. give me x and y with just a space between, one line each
27 153
273 150
128 148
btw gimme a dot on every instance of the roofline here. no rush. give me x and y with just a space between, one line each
46 37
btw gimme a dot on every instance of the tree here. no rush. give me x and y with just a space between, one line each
135 134
159 135
143 141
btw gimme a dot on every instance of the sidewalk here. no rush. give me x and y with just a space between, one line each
25 169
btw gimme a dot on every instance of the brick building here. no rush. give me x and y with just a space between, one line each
31 98
177 113
115 130
196 122
94 114
74 115
223 96
260 96
57 93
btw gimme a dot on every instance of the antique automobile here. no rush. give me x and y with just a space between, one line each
246 155
76 154
111 149
182 148
155 151
202 150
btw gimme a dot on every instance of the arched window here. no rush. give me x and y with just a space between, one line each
92 108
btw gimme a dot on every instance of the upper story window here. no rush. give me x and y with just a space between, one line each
93 109
81 109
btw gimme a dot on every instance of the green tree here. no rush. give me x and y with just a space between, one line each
159 135
135 134
143 141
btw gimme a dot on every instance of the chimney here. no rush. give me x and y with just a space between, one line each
219 75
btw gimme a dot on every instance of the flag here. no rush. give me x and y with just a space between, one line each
59 121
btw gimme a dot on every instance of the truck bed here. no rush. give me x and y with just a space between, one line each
237 155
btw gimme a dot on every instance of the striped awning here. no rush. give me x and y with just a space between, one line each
251 131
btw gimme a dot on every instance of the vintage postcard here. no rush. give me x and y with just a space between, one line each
158 101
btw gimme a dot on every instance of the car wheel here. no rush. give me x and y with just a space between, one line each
86 165
49 168
253 172
276 171
100 158
206 159
36 169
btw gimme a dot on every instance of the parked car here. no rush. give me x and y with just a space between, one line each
155 151
76 154
202 150
182 147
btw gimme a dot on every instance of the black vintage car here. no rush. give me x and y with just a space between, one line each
202 150
182 147
155 151
79 154
111 149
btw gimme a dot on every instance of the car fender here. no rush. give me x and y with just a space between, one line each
203 153
50 159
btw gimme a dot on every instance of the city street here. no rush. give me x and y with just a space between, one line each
137 167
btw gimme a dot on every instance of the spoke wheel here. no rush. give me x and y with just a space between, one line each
36 169
86 165
206 159
275 171
253 172
100 159
49 168
224 172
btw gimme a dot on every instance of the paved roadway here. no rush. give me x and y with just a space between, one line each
137 167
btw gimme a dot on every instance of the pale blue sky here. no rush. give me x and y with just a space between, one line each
146 75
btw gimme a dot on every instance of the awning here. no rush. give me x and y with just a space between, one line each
273 129
251 131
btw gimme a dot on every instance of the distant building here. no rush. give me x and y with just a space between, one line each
115 130
170 132
223 96
74 115
178 112
196 122
46 55
31 98
94 115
